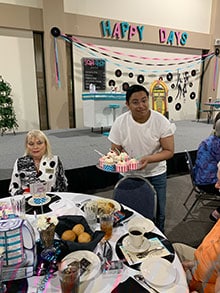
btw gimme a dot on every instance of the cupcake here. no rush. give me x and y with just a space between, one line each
122 167
112 154
117 158
133 164
124 156
109 164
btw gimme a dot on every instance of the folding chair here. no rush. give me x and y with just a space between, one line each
137 193
200 195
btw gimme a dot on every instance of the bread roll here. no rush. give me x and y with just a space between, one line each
78 229
84 237
69 235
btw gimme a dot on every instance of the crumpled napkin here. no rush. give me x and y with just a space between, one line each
129 286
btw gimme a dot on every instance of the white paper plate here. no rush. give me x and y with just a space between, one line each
145 223
94 268
158 271
32 203
127 245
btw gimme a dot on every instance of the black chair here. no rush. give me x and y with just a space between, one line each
200 195
137 193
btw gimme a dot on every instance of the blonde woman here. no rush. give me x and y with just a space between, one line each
37 165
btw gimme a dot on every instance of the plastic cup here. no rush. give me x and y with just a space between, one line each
18 205
106 225
69 276
91 211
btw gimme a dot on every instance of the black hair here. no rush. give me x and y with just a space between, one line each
133 89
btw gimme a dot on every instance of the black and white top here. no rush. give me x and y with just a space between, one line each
50 170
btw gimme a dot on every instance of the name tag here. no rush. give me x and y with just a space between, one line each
49 170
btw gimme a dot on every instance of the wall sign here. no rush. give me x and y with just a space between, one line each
172 37
94 72
120 30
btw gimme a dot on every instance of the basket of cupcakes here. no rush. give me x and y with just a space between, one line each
119 162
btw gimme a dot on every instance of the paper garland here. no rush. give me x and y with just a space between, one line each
93 50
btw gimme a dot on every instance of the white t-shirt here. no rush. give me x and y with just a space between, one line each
141 139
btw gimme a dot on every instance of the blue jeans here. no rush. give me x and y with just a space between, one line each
159 183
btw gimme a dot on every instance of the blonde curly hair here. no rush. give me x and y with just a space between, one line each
40 135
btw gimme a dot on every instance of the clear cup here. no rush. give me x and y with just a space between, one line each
106 224
38 191
18 205
69 276
91 211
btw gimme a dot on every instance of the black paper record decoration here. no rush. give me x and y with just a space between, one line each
169 76
170 99
118 73
140 78
111 82
178 107
193 72
125 86
192 95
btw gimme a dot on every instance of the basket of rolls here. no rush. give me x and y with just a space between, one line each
76 234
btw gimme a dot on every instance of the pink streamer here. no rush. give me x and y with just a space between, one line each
74 39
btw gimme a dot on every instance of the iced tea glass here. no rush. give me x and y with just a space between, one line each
69 277
106 225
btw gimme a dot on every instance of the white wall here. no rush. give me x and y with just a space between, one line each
29 3
18 68
150 73
190 15
17 54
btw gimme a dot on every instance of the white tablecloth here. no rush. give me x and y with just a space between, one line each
100 284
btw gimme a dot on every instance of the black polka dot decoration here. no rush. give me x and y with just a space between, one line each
173 86
130 74
111 82
16 174
118 73
192 95
125 86
44 163
22 175
170 99
15 184
178 106
169 76
140 78
193 72
52 164
51 176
